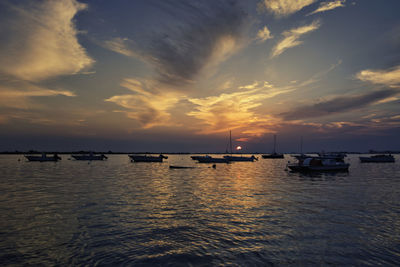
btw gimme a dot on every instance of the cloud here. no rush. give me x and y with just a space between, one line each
291 38
264 34
14 97
325 6
40 40
187 38
150 109
235 110
389 77
281 8
338 105
119 45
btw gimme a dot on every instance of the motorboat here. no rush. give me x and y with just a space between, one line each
89 156
318 164
333 155
43 157
378 158
145 158
273 155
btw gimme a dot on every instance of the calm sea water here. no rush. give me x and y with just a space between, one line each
242 214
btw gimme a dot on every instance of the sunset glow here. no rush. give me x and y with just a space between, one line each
178 76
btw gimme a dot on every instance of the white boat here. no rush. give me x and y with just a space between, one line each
378 158
43 158
89 156
145 158
318 164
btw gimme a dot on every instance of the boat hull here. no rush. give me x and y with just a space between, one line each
273 156
146 158
212 160
42 159
236 158
377 160
85 157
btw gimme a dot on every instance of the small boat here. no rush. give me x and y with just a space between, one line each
43 158
200 157
318 164
210 159
136 158
240 158
378 158
274 155
180 167
89 156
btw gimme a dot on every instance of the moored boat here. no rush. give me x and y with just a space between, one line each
240 158
200 157
378 158
318 164
145 158
43 158
89 156
210 159
273 155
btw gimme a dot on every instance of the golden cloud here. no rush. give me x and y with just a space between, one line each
42 41
286 7
389 77
325 6
291 38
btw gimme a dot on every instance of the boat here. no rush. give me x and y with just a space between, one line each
43 158
378 158
318 164
180 167
89 156
210 159
200 157
145 158
333 155
274 155
240 158
237 158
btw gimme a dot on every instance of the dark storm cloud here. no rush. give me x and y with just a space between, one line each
184 44
337 105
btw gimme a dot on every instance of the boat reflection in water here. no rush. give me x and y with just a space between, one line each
43 157
145 158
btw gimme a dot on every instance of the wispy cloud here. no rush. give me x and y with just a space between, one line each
194 36
281 8
388 77
325 6
264 34
236 110
41 40
150 109
15 97
119 45
338 105
291 38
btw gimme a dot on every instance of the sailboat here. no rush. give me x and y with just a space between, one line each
274 155
237 158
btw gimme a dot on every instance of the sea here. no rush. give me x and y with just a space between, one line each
119 213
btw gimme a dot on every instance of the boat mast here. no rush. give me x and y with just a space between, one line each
274 152
230 140
301 145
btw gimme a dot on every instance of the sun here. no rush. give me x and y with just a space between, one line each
238 148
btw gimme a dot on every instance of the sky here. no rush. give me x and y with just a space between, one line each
178 75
